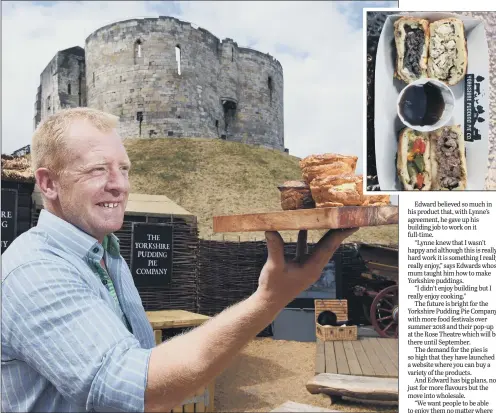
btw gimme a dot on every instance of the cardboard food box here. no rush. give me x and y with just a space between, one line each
471 109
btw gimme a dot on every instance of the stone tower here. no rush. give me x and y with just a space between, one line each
163 77
62 84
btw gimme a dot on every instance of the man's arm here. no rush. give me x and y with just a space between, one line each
187 362
59 326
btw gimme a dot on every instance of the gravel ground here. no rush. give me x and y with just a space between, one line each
269 372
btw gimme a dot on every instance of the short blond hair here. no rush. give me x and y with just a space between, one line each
48 146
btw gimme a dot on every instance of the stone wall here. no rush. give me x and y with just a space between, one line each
71 78
221 91
261 110
62 84
47 91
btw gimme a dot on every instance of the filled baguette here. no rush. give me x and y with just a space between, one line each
449 164
411 37
448 56
413 162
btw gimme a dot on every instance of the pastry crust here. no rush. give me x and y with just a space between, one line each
448 56
296 195
359 182
293 185
328 158
329 204
376 200
437 178
339 190
400 34
315 166
337 168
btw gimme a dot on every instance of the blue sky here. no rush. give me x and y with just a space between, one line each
353 10
319 45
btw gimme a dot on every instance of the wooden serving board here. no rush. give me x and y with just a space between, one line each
304 219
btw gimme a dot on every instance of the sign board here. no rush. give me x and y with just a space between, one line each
151 254
9 217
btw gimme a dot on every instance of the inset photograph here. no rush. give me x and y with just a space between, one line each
428 102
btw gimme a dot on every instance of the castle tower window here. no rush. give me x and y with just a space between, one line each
139 118
49 104
270 86
138 51
68 88
178 59
232 54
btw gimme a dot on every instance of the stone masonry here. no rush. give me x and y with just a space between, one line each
62 84
165 78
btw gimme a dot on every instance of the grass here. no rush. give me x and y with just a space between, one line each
210 177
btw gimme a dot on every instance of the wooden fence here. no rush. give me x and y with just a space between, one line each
209 276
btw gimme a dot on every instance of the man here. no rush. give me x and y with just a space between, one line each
75 336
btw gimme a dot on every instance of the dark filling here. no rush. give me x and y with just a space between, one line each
448 158
414 43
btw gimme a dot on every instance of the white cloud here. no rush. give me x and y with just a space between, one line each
322 92
31 36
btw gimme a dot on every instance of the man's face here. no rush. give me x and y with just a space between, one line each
94 186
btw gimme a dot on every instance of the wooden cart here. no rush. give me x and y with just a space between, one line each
381 305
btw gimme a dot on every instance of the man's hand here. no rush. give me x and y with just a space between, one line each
186 362
280 281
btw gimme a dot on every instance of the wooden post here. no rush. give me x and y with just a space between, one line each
301 246
158 336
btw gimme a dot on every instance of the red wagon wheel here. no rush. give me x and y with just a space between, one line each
384 312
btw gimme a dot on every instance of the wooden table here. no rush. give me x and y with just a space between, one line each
367 356
166 319
203 399
337 386
293 407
